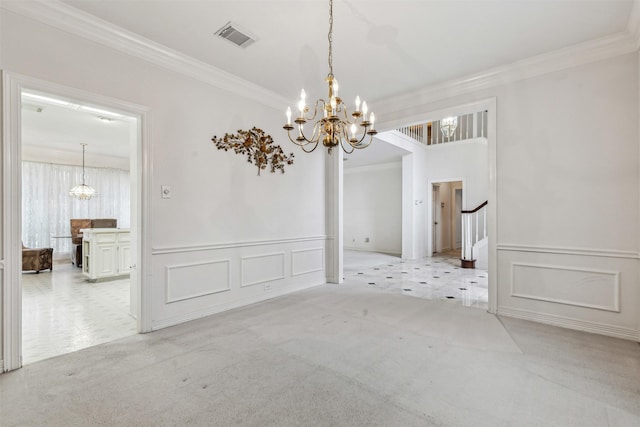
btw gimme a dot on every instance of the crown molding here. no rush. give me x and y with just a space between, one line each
633 25
75 21
583 53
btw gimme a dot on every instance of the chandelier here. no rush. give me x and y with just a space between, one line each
448 126
334 127
83 191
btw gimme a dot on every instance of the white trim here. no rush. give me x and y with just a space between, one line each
430 218
374 168
300 273
80 23
269 279
13 84
593 252
11 223
616 290
579 54
571 323
633 25
238 303
217 246
193 264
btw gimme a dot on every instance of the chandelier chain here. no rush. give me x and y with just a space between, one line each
330 37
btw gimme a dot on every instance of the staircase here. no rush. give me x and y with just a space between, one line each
474 235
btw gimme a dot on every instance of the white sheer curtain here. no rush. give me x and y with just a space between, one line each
47 206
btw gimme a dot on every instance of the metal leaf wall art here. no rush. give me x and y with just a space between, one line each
257 146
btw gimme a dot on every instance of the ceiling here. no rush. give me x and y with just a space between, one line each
51 128
381 48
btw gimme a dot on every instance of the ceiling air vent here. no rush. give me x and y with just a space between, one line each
231 32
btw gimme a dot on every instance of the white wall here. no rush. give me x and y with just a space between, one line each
373 208
226 231
567 179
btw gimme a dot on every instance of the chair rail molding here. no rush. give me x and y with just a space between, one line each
164 250
595 252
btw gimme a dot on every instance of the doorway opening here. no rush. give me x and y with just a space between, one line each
83 295
447 217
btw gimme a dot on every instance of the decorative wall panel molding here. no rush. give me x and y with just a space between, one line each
193 280
306 261
262 268
595 252
571 323
216 246
579 287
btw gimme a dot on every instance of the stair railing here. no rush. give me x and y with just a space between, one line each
474 229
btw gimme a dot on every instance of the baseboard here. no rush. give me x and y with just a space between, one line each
373 250
570 323
242 302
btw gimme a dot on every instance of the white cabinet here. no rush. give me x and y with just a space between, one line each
106 253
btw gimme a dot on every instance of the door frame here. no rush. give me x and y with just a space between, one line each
430 218
10 259
454 223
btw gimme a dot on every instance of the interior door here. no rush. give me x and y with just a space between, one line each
436 218
458 218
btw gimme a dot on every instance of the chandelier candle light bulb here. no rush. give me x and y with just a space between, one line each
333 126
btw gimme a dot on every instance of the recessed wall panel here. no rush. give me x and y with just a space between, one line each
262 268
307 261
567 285
186 281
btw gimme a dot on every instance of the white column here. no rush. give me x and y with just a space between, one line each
334 215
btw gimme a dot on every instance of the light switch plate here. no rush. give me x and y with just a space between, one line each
165 191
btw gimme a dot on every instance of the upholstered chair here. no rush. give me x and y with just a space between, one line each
37 259
76 236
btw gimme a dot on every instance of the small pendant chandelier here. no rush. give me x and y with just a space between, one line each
448 126
83 191
334 128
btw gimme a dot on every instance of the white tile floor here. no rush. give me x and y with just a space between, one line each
439 277
62 312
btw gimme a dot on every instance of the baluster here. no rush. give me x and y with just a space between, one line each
476 241
485 222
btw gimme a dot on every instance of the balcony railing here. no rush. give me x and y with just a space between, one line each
474 229
473 125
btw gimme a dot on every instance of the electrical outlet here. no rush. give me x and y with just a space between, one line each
267 287
366 240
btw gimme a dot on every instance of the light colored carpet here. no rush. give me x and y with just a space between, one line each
336 355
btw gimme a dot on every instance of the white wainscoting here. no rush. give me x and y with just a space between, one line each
306 261
588 289
193 280
581 287
262 268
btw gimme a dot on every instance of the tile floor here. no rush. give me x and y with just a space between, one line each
437 278
62 312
